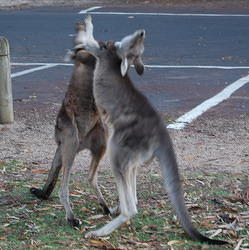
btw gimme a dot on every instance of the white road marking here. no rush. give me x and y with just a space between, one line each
206 105
36 64
195 67
149 66
89 9
164 14
28 71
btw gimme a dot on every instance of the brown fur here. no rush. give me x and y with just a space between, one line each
78 127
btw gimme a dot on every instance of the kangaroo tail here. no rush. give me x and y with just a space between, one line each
172 184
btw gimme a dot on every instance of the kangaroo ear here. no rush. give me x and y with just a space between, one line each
139 66
124 66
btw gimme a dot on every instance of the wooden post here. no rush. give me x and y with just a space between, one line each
6 101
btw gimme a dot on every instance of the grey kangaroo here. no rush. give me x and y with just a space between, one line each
78 127
138 133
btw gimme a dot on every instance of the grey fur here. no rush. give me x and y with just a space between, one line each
138 132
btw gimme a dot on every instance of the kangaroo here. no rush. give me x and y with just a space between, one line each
78 127
138 133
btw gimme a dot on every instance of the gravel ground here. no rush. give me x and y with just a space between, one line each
218 145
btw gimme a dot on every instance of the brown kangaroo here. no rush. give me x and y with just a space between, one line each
138 133
78 127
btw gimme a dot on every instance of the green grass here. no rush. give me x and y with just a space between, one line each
28 223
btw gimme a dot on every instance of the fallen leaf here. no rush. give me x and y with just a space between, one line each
76 192
173 242
194 208
162 203
207 225
189 157
228 210
232 233
52 214
238 245
216 233
100 243
75 195
86 210
40 171
97 216
44 208
27 150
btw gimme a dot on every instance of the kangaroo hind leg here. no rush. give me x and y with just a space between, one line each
97 144
52 177
69 150
126 199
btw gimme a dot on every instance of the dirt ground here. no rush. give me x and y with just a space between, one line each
208 144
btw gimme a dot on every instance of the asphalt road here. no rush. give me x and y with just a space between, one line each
43 35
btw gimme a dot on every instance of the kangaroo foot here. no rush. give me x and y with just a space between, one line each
115 211
39 193
105 208
74 223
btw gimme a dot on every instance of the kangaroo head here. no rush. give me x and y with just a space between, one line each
85 32
130 50
84 38
79 53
